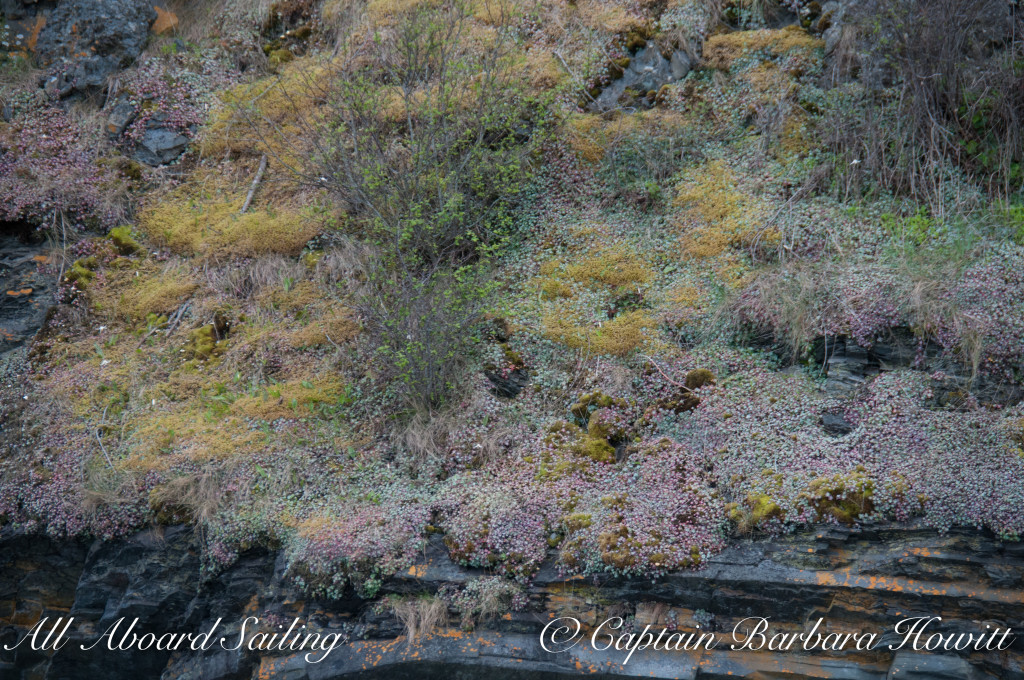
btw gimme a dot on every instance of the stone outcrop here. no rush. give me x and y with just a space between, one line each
86 41
848 366
857 580
26 293
647 72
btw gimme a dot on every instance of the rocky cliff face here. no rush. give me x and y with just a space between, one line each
856 580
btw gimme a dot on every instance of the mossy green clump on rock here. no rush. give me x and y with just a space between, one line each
637 37
82 271
281 56
698 378
205 343
608 430
123 241
756 509
577 521
842 498
590 402
596 449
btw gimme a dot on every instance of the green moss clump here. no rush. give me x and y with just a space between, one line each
755 509
637 37
281 56
123 241
617 67
602 429
699 377
204 343
513 357
577 521
843 498
82 271
592 401
594 448
301 33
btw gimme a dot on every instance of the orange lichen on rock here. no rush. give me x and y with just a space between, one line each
166 21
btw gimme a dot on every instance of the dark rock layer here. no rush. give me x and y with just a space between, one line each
856 580
26 293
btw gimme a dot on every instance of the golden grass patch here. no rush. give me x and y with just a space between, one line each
606 16
270 112
723 216
720 51
617 337
209 224
613 268
592 135
161 294
335 326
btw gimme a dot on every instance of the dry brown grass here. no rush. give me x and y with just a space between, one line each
420 615
197 495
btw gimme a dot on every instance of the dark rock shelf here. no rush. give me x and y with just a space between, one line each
858 580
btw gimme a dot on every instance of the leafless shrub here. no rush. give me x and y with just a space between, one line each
422 328
425 136
955 103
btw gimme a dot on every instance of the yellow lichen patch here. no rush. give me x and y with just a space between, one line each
606 16
552 288
335 326
768 78
617 337
591 135
270 111
213 227
721 215
161 294
685 296
720 51
613 268
685 301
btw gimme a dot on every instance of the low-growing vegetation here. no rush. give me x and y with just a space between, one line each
396 288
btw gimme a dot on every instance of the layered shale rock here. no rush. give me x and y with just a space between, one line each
857 581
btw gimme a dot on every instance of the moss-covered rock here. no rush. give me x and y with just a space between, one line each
123 241
82 271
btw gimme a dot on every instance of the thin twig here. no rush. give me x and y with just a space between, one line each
574 76
96 433
171 323
255 183
665 375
